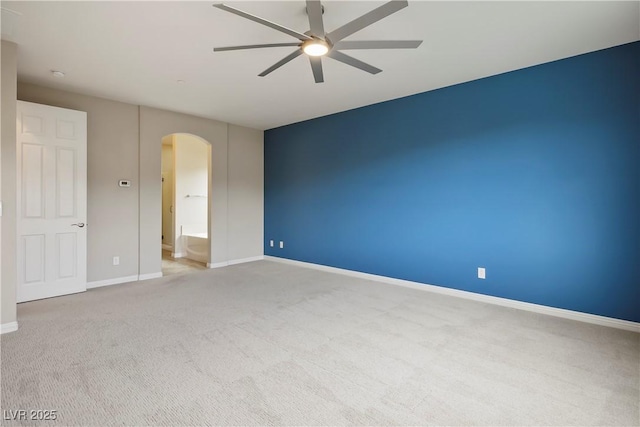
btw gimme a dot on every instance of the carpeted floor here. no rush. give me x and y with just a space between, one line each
268 343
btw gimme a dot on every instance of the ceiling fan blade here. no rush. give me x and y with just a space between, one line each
259 20
378 44
314 10
367 19
253 46
350 60
280 63
316 67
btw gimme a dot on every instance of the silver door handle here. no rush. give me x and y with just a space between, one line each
80 224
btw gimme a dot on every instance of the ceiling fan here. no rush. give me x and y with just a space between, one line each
317 43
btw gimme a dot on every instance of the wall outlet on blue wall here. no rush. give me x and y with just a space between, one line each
281 244
482 273
271 243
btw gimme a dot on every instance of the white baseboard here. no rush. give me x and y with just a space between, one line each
5 328
243 260
217 264
124 279
167 247
178 254
520 305
150 276
235 261
108 282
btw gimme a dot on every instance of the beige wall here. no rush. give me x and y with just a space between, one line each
154 125
8 268
124 142
112 155
246 193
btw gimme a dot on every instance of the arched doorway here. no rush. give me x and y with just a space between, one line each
186 191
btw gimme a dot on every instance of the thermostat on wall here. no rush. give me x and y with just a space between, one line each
124 183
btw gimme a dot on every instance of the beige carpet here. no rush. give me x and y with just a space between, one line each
267 343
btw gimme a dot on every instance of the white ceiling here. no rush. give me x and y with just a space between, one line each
137 51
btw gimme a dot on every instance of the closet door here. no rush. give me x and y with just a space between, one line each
51 201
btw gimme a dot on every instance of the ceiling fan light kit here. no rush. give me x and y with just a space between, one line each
315 47
316 43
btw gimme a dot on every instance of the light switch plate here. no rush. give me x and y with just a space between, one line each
482 273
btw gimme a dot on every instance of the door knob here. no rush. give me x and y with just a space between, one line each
80 224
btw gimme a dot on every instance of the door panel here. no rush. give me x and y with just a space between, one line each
34 256
66 166
33 125
65 129
52 201
66 254
32 181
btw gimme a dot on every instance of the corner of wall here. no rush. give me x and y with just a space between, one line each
8 275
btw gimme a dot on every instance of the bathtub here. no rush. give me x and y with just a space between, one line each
195 244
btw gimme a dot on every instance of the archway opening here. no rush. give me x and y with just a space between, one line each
186 203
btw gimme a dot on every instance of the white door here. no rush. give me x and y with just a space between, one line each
51 201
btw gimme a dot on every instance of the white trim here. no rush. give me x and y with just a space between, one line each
5 328
243 260
178 254
150 276
217 264
235 261
108 282
520 305
167 247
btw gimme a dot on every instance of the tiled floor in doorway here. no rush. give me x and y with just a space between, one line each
179 265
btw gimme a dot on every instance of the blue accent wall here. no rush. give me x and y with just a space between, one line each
532 174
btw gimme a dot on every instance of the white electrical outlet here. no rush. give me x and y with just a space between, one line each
116 260
271 243
482 273
281 244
